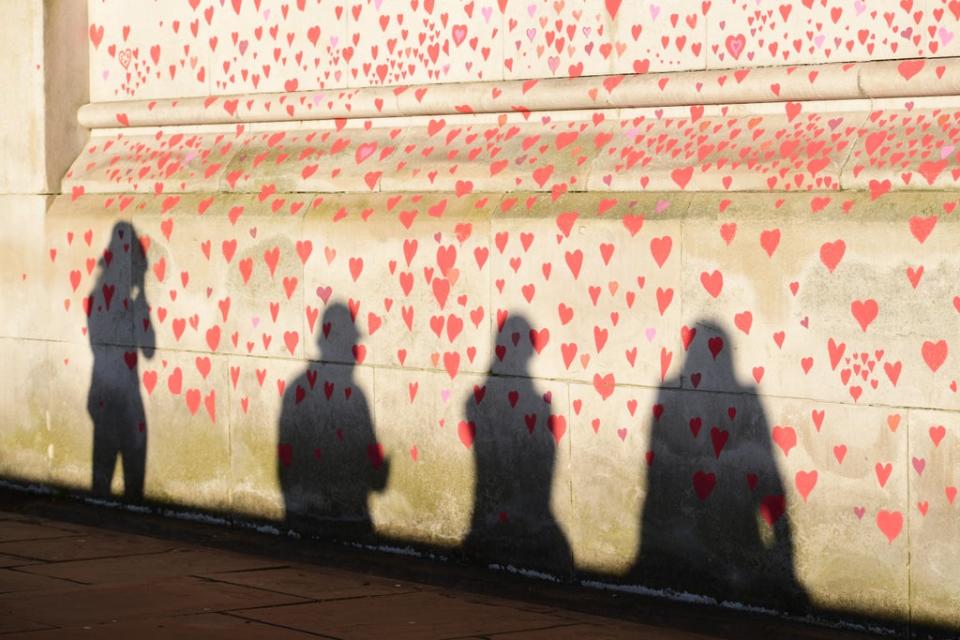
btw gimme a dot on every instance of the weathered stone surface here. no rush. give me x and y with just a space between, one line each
931 515
45 83
26 439
547 392
22 241
690 331
321 47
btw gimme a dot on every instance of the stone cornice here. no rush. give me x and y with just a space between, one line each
838 81
875 145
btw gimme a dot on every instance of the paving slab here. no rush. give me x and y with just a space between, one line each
306 582
95 605
596 632
11 624
11 530
82 548
13 561
420 615
113 574
176 562
207 626
16 582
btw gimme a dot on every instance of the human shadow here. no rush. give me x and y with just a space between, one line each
114 305
328 459
714 519
514 450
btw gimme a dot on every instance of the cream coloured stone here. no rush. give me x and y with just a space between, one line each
188 459
840 460
25 264
608 442
118 72
121 162
232 280
428 296
425 43
39 135
429 491
934 480
593 291
26 435
255 403
841 34
841 83
85 233
818 248
71 428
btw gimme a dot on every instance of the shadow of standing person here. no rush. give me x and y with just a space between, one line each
328 457
114 402
714 520
514 450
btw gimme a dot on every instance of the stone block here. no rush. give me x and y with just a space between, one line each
412 272
429 495
225 275
68 406
425 44
597 293
126 50
26 440
257 391
812 307
609 441
90 295
187 424
188 160
847 480
932 524
25 266
741 498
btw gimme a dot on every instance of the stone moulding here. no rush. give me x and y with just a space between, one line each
875 145
836 81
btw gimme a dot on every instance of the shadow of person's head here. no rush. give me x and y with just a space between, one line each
117 299
709 363
518 339
338 337
123 243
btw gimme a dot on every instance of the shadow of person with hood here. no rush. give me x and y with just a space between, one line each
118 312
714 519
514 448
328 457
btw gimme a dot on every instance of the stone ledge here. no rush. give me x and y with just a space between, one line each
870 145
837 81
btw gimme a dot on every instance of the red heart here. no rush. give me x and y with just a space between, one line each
703 484
467 431
805 481
890 523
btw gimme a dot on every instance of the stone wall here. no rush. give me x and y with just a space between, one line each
707 347
157 49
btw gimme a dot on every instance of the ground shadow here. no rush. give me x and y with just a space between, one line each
328 457
114 403
714 520
514 450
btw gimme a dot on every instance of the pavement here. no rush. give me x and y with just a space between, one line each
69 569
